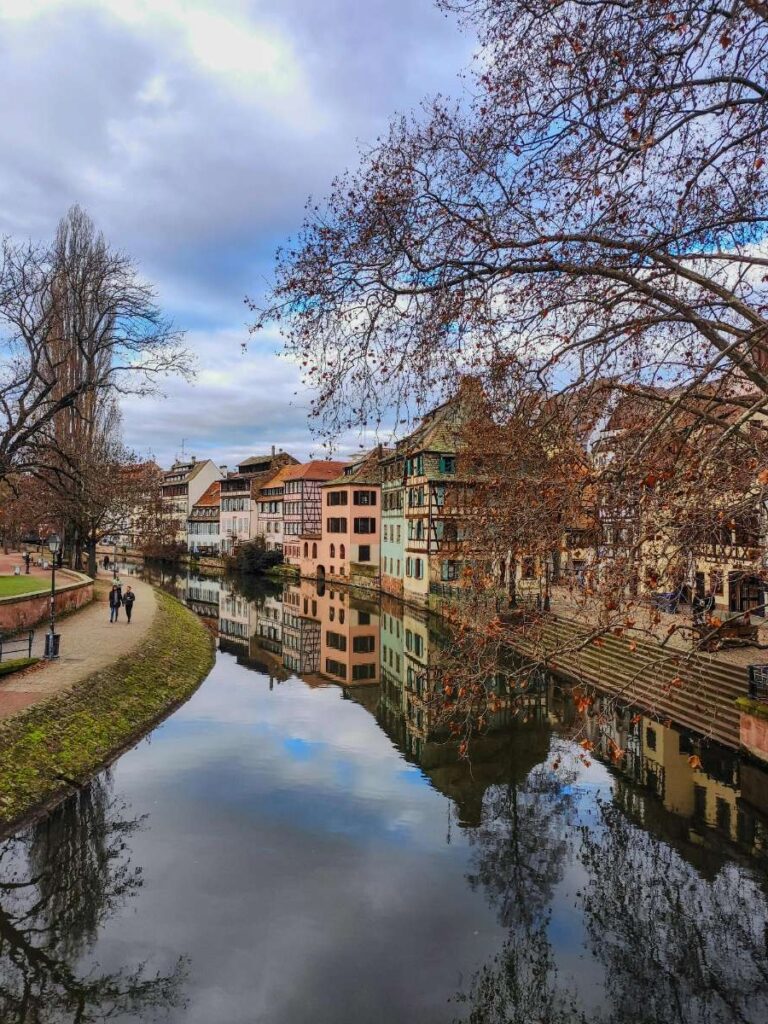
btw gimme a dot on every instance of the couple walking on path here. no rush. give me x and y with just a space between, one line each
117 598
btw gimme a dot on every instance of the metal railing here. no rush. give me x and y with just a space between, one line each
758 682
17 643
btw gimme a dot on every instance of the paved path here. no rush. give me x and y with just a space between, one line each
89 642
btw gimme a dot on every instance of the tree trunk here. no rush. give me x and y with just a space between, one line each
92 570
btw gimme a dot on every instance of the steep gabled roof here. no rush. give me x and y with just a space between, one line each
318 469
277 479
211 496
366 470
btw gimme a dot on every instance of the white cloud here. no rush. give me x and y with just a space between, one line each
193 132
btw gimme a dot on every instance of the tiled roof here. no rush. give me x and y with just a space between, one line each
440 430
256 459
366 470
212 496
318 469
278 479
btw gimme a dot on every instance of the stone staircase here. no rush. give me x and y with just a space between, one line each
694 690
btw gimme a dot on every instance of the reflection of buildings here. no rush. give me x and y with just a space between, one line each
237 620
330 633
662 762
202 595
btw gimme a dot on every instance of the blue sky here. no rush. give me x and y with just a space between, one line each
193 133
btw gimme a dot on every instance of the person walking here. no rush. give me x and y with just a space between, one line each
106 561
115 600
128 599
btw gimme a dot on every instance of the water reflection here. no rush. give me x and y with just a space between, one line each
60 881
309 779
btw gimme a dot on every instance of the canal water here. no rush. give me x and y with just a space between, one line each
296 846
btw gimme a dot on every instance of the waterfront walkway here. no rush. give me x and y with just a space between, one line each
89 642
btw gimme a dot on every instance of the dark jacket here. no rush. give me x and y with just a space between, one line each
129 598
115 600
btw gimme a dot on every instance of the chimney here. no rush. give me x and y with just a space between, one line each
223 468
273 451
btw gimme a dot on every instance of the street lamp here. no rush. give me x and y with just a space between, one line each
52 637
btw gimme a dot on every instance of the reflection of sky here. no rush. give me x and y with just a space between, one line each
310 873
298 860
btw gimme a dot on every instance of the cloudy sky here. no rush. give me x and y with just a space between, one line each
193 132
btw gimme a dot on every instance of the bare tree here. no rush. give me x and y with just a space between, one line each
583 232
77 327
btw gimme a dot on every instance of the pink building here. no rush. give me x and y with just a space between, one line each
302 511
349 547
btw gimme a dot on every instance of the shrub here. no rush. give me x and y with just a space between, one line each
254 557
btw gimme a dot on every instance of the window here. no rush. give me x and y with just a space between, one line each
342 552
716 581
398 567
447 464
331 614
363 644
408 640
336 640
528 568
398 537
408 571
332 571
364 497
336 498
418 644
365 525
336 525
363 618
363 672
333 550
650 738
699 802
314 550
306 550
723 814
450 570
336 668
364 553
341 616
418 568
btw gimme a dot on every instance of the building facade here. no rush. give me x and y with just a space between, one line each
203 523
302 506
183 485
239 496
348 549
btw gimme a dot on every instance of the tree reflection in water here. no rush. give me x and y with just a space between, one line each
678 947
59 881
520 851
676 938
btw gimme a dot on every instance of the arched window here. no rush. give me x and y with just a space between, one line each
333 571
333 550
306 550
342 553
331 613
341 616
314 550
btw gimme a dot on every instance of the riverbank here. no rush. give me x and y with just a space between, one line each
54 746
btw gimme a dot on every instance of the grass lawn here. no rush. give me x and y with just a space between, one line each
13 586
69 736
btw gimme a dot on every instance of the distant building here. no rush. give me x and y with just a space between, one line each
203 524
239 496
182 487
269 510
349 548
302 510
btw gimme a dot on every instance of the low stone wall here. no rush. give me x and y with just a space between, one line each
73 590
